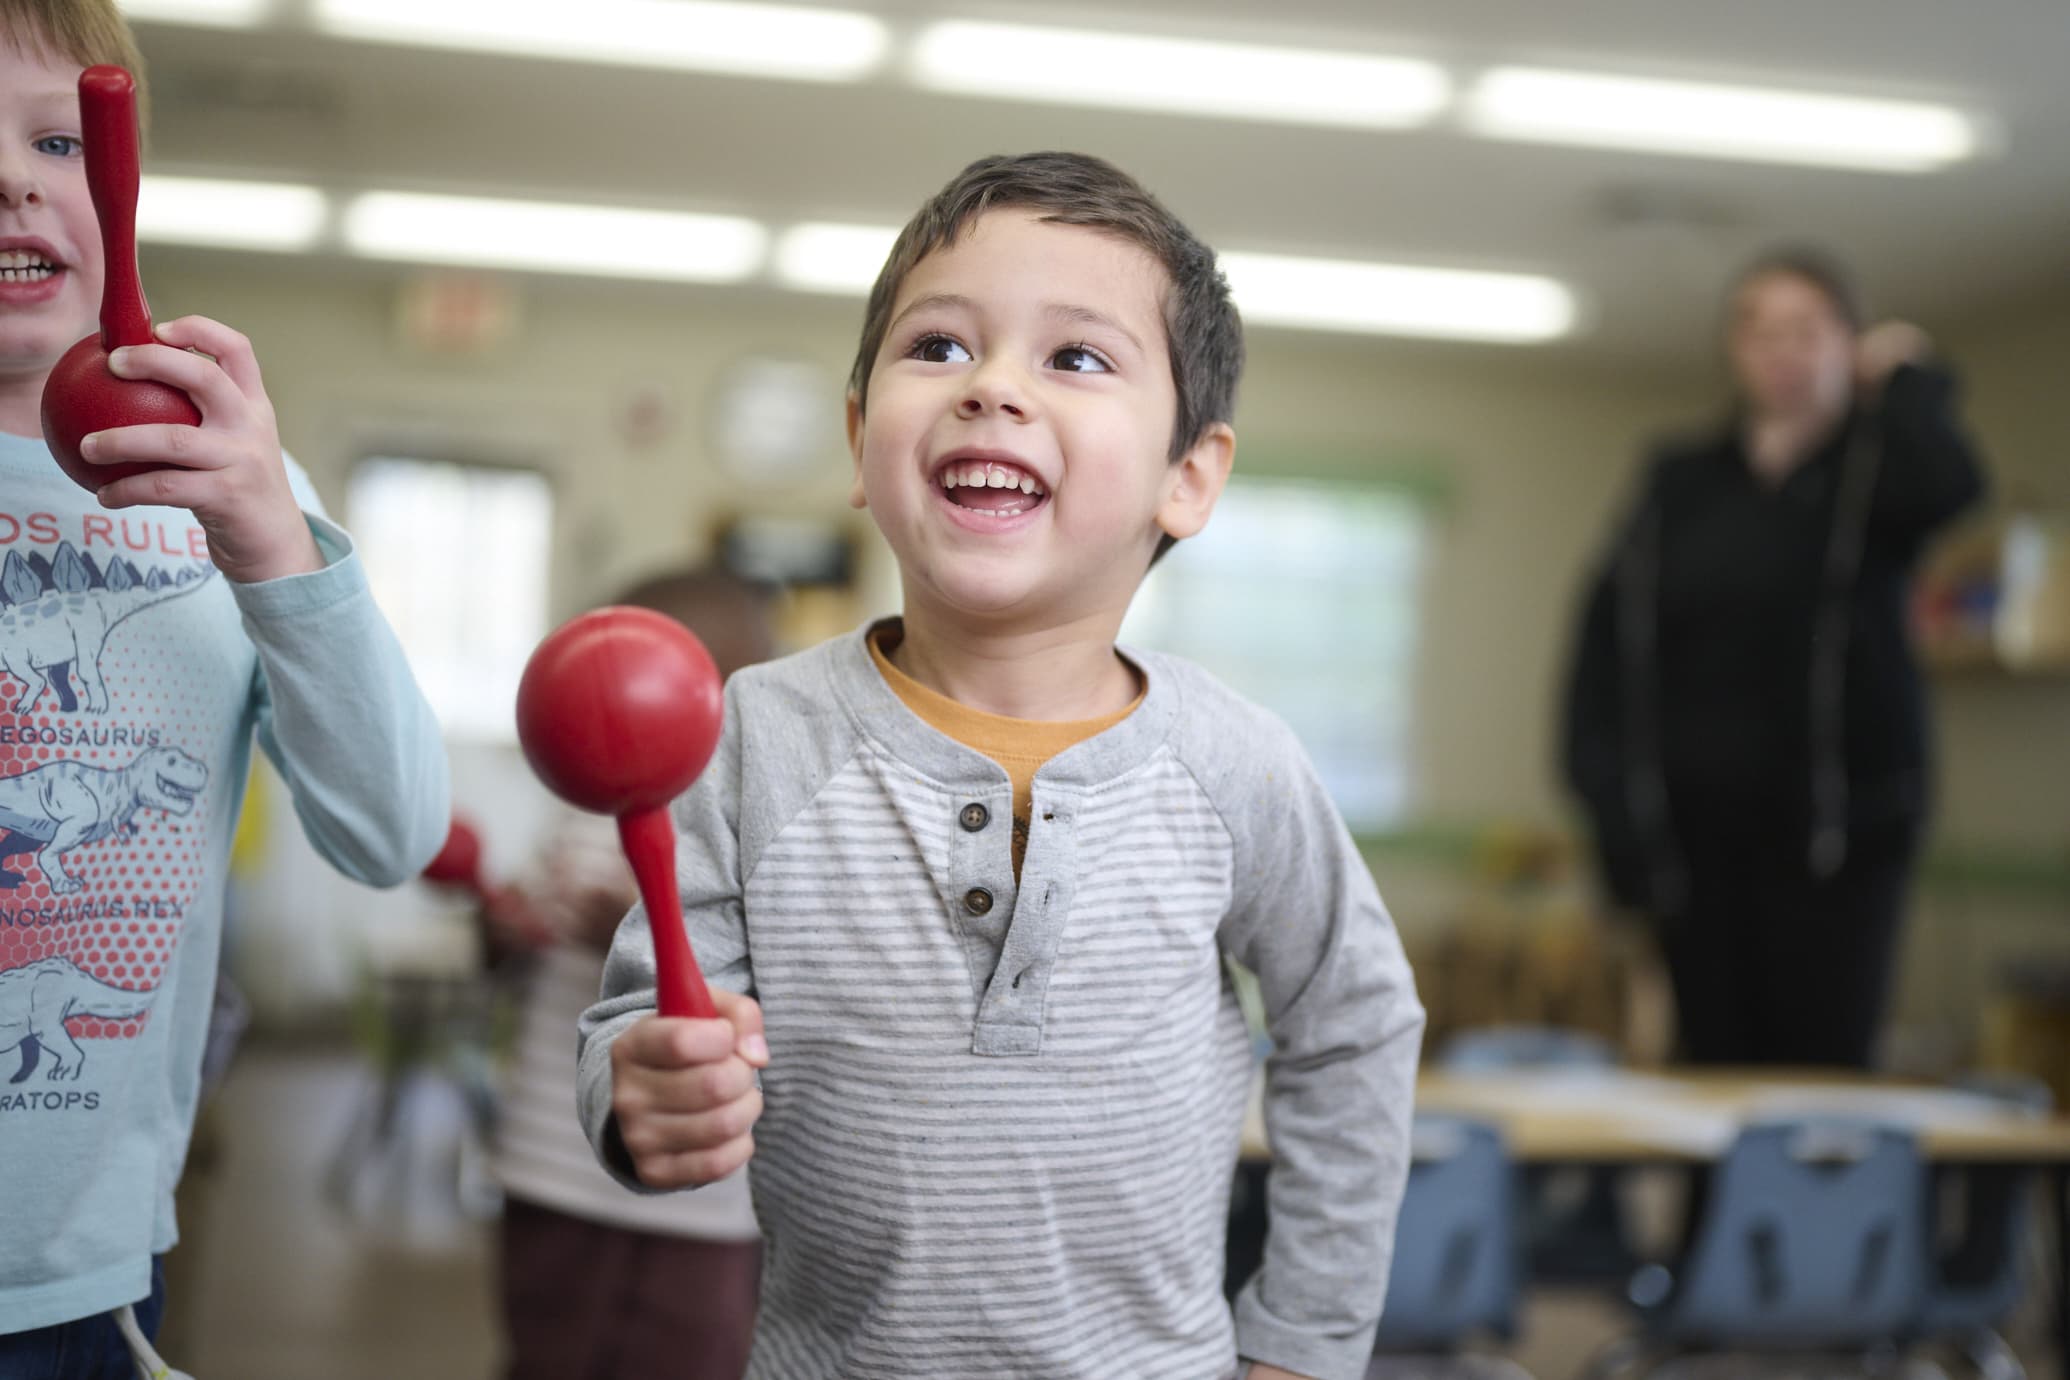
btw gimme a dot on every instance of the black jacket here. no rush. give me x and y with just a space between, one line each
1743 650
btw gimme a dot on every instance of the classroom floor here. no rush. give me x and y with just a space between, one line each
277 1280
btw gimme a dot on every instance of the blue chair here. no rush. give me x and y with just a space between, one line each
1813 1239
1575 1229
1457 1266
1498 1048
1977 1280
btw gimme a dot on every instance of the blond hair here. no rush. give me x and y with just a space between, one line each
88 32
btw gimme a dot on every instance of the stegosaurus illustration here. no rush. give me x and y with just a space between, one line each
37 999
55 617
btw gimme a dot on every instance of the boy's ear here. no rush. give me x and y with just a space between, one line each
1195 481
856 499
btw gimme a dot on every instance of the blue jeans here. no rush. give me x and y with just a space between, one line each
84 1349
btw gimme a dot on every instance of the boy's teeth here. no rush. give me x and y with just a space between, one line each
983 476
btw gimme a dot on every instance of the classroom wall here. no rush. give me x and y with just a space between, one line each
1530 451
2004 746
2006 739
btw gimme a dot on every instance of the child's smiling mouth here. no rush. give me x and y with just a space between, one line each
995 486
30 270
25 266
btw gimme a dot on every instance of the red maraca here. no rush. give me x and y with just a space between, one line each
82 396
458 864
618 712
459 860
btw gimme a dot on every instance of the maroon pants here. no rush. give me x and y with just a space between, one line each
588 1302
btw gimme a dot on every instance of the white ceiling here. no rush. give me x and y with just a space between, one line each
1645 239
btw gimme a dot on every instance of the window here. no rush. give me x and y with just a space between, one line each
458 557
1304 597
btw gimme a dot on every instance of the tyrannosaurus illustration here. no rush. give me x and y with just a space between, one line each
60 806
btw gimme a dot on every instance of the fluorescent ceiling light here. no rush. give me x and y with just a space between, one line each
609 241
1396 299
221 14
703 35
823 257
230 215
1709 121
1138 71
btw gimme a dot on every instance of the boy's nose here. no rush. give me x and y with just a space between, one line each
972 408
991 391
19 185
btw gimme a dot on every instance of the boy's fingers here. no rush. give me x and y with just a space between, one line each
669 1133
745 1013
694 1166
167 488
199 377
233 351
675 1042
638 1090
151 443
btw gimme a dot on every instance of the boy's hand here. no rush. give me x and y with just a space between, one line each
1260 1371
684 1093
230 473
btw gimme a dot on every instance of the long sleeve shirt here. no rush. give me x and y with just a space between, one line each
1001 1116
134 679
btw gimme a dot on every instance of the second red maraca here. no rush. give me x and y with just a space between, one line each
82 396
619 711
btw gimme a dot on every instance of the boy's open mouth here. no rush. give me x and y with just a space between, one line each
999 488
27 266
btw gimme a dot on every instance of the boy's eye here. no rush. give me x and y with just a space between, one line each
60 145
939 349
1079 359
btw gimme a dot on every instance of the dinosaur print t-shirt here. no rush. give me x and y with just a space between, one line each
132 678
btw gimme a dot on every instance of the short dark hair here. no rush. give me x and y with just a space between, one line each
1816 265
1201 326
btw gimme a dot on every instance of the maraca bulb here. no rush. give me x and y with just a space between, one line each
82 397
459 859
619 710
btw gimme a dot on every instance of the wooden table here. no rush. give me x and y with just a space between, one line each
1630 1118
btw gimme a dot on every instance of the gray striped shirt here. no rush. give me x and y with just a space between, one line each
1001 1118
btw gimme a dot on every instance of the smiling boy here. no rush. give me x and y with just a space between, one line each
981 869
142 652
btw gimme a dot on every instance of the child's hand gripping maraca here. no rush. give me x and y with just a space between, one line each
618 711
139 415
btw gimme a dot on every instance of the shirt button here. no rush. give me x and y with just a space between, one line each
977 900
975 817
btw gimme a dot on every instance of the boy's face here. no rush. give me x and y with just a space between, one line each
1015 451
50 244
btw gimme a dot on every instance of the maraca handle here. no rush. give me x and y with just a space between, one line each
650 846
108 124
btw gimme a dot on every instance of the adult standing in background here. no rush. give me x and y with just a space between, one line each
1745 721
